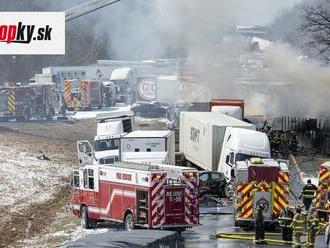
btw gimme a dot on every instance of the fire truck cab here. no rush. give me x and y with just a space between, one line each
136 195
260 182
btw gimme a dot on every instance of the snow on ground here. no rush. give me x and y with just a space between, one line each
25 179
80 115
65 236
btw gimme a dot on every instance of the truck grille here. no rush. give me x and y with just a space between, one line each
109 160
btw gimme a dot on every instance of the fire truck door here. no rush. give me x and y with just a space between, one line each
263 198
75 186
90 186
174 205
85 152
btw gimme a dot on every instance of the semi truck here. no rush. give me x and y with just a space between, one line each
215 142
148 146
110 128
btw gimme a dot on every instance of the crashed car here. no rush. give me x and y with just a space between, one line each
150 109
212 183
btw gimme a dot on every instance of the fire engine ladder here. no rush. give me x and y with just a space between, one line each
86 8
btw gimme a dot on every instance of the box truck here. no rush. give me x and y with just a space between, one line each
215 142
148 146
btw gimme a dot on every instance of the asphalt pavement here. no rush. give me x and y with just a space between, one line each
204 235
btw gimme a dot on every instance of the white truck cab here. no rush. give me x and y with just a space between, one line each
239 145
110 128
233 111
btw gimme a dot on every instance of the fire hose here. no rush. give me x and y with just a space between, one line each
250 237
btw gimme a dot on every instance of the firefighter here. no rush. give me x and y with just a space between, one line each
63 109
285 218
75 104
259 226
308 193
297 226
313 227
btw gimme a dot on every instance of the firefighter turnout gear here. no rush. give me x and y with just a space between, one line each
76 104
297 226
285 219
308 194
259 226
313 224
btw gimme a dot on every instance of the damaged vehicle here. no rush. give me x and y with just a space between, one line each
151 109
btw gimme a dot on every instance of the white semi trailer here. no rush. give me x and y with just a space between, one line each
215 142
148 146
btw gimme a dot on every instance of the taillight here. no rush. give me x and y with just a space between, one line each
158 176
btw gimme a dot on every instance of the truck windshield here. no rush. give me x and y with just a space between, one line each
106 144
242 157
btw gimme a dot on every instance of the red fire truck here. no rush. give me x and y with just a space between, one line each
322 200
260 182
27 101
83 94
136 195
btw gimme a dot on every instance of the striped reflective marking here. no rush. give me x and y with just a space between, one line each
67 92
84 92
263 186
283 177
246 205
280 198
191 198
245 189
323 188
157 200
11 102
324 175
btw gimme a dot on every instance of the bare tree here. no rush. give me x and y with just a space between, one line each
316 25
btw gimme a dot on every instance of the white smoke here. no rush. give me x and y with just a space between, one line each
204 33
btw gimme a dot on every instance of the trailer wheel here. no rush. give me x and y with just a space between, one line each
85 222
129 223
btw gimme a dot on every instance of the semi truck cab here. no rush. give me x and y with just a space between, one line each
110 128
240 145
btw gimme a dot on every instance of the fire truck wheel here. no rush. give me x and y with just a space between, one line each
129 223
85 222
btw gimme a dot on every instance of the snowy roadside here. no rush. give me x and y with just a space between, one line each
32 191
25 179
81 115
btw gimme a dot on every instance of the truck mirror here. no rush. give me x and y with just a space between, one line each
227 159
232 173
